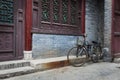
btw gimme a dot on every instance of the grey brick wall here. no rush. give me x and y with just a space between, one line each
100 28
107 29
98 22
91 20
95 20
107 24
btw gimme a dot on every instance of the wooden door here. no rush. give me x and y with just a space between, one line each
11 29
116 29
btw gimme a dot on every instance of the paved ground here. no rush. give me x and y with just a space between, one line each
95 71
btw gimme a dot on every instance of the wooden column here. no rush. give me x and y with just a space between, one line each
112 29
28 26
83 16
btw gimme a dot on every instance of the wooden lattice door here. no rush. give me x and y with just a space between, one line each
11 29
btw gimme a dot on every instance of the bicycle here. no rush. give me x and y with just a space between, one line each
77 56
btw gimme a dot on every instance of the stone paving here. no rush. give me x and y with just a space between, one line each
95 71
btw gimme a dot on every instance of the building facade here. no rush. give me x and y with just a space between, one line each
39 29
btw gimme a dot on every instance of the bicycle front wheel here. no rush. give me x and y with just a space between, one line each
76 57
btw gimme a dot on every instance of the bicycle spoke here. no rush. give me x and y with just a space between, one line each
76 57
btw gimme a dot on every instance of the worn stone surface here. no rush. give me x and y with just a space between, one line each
47 46
96 71
108 23
13 64
108 26
16 72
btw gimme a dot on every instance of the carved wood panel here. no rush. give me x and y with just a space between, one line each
11 29
6 41
57 16
6 11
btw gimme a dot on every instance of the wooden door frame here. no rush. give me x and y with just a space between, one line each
112 31
20 24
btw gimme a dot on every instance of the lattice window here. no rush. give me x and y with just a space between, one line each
6 11
56 10
65 11
45 10
73 12
57 16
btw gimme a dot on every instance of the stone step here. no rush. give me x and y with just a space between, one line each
13 64
49 63
16 72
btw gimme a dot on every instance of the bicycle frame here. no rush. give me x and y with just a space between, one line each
89 48
78 55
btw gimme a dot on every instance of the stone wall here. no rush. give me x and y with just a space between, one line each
107 24
48 46
107 29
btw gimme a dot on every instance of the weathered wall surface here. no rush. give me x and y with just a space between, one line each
107 28
91 20
47 46
100 27
107 24
95 20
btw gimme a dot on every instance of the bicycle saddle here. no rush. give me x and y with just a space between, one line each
94 42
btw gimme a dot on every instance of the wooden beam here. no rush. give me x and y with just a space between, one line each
83 16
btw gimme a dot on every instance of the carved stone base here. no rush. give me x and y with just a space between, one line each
28 55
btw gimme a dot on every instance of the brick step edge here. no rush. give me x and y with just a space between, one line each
25 70
13 64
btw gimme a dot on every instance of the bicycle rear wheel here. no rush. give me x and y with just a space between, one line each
97 54
76 57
